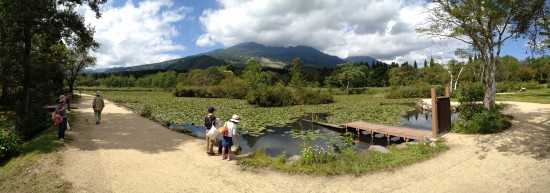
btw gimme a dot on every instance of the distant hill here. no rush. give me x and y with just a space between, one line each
277 57
181 64
274 57
367 59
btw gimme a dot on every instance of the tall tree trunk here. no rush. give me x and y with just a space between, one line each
490 86
458 77
26 72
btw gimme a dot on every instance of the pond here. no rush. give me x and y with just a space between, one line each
420 120
282 140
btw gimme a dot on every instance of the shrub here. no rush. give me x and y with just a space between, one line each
482 121
471 92
9 144
146 111
37 120
234 88
202 92
275 96
306 96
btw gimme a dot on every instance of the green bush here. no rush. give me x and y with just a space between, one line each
233 88
419 90
357 90
471 92
201 92
9 144
271 96
146 111
307 96
37 120
482 121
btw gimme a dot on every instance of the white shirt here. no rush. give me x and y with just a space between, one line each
231 129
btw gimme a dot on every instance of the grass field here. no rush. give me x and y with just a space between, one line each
36 169
533 96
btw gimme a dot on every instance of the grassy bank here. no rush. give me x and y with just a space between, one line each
533 96
36 169
348 163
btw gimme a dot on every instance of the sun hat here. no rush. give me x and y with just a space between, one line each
235 118
97 93
61 97
211 109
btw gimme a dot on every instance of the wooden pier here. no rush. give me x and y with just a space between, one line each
388 131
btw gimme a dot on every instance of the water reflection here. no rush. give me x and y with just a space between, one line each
420 120
281 140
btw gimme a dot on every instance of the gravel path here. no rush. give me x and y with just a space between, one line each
128 153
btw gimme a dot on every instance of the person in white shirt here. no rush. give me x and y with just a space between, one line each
228 136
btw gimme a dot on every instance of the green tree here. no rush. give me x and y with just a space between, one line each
485 25
508 69
297 79
54 20
72 62
350 76
432 63
253 75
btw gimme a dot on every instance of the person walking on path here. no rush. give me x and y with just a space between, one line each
209 121
228 136
61 110
98 105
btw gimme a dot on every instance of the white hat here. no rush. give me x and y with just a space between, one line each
235 118
97 93
61 97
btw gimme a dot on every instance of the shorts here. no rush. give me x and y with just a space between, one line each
227 141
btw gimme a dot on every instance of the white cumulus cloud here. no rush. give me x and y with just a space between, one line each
383 29
136 34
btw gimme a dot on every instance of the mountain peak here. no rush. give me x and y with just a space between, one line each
240 53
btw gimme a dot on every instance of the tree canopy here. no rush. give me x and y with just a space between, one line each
486 25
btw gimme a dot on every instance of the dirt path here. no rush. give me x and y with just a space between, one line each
128 153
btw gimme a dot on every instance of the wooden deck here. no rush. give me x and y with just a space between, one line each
388 131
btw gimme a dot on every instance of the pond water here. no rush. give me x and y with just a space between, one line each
281 139
419 120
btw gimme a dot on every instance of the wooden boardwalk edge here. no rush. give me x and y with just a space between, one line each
406 133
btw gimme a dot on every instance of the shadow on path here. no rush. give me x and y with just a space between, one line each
528 135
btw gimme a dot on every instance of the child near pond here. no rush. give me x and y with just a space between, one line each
209 121
228 136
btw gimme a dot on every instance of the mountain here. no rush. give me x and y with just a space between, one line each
275 56
367 59
181 64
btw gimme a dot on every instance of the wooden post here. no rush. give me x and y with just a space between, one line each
448 92
435 124
372 137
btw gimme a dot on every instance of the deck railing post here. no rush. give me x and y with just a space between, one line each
435 124
448 92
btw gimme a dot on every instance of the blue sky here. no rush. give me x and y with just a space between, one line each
135 32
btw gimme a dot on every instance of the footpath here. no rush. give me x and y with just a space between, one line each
129 153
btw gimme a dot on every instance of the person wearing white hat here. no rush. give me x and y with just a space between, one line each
98 105
61 109
228 136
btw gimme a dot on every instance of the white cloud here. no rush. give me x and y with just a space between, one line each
136 34
383 29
